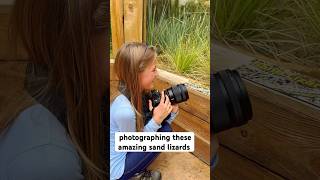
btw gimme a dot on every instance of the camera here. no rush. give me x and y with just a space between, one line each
176 94
230 103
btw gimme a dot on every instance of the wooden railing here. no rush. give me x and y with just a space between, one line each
282 141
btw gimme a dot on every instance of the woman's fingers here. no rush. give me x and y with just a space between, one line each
150 105
162 97
170 109
167 102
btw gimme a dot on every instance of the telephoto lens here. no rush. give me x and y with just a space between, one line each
176 94
231 106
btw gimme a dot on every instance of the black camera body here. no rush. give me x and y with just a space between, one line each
176 94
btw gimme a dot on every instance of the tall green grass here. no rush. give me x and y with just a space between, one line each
287 30
183 39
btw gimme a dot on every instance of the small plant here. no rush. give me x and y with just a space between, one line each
287 30
183 39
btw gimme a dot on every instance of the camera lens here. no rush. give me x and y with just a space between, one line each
177 94
230 101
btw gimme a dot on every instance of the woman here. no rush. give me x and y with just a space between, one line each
135 66
61 135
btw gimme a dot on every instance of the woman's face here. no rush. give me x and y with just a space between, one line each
148 76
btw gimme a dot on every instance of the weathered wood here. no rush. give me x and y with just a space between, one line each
116 8
144 24
189 123
197 105
235 167
284 135
133 16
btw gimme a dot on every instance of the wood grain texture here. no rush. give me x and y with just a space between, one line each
198 103
186 122
116 8
283 136
232 166
144 22
133 20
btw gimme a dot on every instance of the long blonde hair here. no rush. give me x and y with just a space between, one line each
132 59
61 35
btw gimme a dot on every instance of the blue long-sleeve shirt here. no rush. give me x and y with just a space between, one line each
123 119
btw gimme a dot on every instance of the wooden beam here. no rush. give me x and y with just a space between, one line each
116 8
187 122
284 135
133 20
144 25
235 167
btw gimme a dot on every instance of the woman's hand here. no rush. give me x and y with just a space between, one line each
162 110
175 108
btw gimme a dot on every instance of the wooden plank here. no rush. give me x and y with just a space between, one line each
225 57
189 123
284 135
235 167
116 8
133 20
144 25
197 105
113 76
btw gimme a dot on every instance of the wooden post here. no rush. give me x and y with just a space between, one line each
144 25
127 22
133 20
116 8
